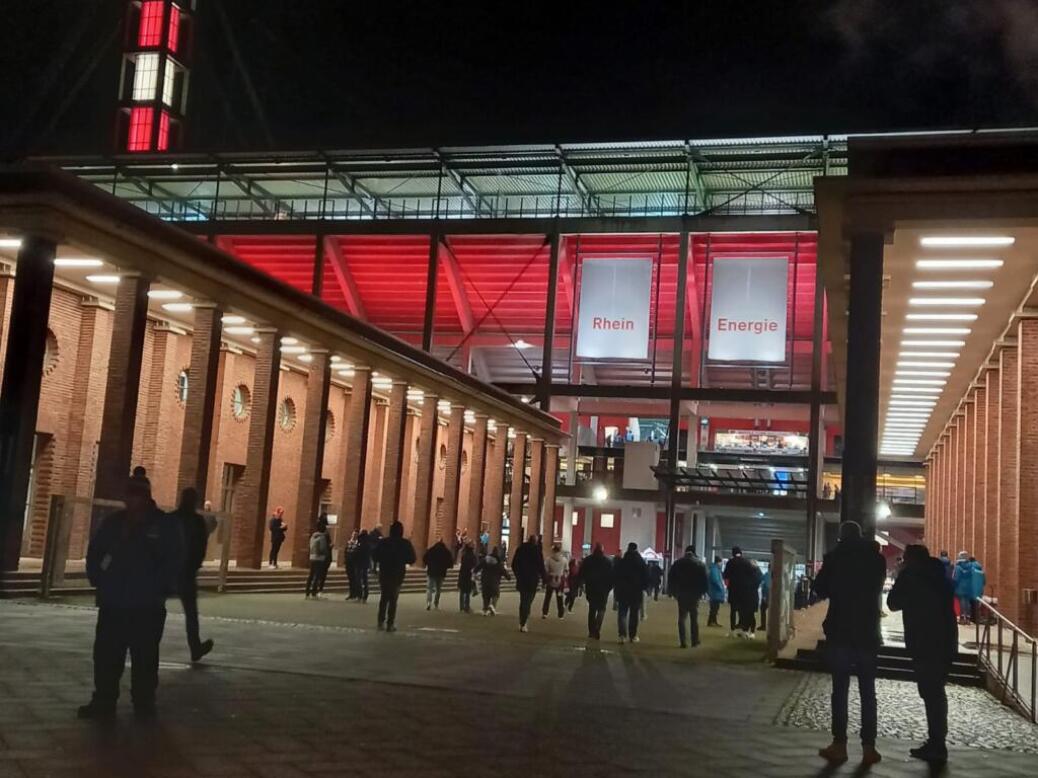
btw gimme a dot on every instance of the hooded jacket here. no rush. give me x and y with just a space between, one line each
687 579
466 568
716 588
528 567
743 580
393 555
555 569
922 592
851 578
490 570
438 559
962 576
631 578
596 574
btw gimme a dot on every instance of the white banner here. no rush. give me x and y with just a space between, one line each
748 310
614 309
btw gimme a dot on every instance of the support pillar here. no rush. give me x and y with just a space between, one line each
200 407
1027 461
311 460
548 351
20 393
969 473
356 448
396 427
477 477
551 478
124 381
495 485
992 383
452 471
536 498
980 471
515 497
423 486
252 504
1008 488
677 380
861 412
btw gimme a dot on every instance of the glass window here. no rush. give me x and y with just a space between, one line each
150 31
145 76
182 385
139 137
287 414
169 83
606 521
241 401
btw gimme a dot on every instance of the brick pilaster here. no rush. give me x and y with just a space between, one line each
968 460
370 510
515 497
933 496
955 530
551 476
1027 441
396 427
311 455
424 473
407 474
536 499
980 470
356 449
477 476
452 471
251 509
200 408
1008 490
992 383
123 386
494 504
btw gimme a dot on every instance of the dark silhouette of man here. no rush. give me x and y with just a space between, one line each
528 568
393 555
687 584
596 575
278 530
196 535
629 579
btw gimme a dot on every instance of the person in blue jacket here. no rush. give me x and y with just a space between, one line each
962 578
715 591
765 594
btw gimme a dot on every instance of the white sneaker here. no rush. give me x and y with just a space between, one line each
524 628
751 635
622 641
493 611
562 616
486 613
636 639
544 615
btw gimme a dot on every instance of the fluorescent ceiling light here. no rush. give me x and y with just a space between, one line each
336 358
178 307
916 390
936 330
970 301
941 317
164 294
10 243
955 241
287 341
240 331
952 284
306 357
958 264
919 382
232 319
103 279
933 373
932 355
934 343
257 339
907 414
293 350
77 262
915 363
347 372
521 345
917 403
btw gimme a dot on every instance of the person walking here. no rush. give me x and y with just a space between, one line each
322 578
393 555
362 565
978 581
134 561
320 554
687 584
596 577
629 582
922 593
350 560
572 584
195 532
851 578
528 568
437 559
715 591
278 530
554 581
962 580
655 580
491 569
765 593
466 583
743 582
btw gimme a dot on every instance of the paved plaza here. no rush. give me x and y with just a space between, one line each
300 688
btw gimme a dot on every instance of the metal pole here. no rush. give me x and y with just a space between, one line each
547 352
430 291
676 383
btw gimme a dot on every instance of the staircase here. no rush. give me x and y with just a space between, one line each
894 663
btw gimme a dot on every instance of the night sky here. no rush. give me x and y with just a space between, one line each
339 74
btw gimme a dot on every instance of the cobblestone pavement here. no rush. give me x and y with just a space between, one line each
286 698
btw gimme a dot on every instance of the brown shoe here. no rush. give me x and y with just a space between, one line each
834 753
870 756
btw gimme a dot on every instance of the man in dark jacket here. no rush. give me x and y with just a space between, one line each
629 580
851 578
134 561
361 566
196 535
393 555
923 592
596 576
278 530
743 581
528 567
438 559
687 584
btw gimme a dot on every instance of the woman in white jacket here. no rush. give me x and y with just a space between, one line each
555 567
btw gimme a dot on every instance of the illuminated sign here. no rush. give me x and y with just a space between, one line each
748 310
613 321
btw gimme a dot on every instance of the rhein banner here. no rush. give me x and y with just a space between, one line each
613 321
748 310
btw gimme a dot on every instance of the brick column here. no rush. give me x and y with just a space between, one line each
452 471
372 500
536 498
928 504
396 426
407 462
515 497
477 475
197 438
356 448
933 479
969 474
426 469
251 514
311 455
1027 441
1008 489
980 471
494 505
20 392
551 476
955 512
124 380
992 383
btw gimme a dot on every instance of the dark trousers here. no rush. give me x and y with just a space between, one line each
314 578
627 619
359 590
930 677
119 631
656 591
325 566
465 599
843 661
189 601
748 616
489 596
525 603
715 606
596 609
688 608
387 603
733 613
275 549
548 592
571 597
764 615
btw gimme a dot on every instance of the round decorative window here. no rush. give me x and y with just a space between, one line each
182 386
287 414
329 424
443 456
50 353
241 402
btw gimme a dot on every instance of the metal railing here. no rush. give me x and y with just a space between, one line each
992 628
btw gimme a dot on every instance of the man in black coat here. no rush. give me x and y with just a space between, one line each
196 536
630 578
687 584
922 591
438 559
278 529
361 566
393 555
851 578
596 576
528 567
743 580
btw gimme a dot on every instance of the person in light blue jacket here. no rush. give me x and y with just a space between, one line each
715 591
962 578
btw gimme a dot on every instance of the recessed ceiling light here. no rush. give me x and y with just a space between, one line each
936 330
933 373
953 284
916 390
919 382
240 330
917 403
336 358
934 343
77 262
306 357
914 363
10 243
958 264
164 294
177 307
346 372
933 354
257 339
941 317
941 301
293 349
232 319
946 241
287 341
103 279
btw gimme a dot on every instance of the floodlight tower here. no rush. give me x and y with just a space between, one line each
154 78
